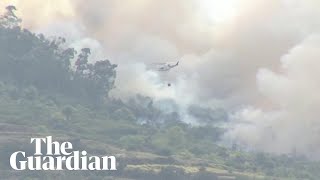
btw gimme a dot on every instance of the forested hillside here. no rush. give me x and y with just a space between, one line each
49 89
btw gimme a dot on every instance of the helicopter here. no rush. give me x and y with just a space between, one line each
165 66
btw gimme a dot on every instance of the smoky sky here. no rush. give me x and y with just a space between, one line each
260 64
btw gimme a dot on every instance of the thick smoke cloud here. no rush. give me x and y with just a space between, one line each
293 125
260 64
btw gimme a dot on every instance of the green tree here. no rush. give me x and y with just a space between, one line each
9 19
67 112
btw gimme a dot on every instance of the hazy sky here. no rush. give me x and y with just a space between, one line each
259 59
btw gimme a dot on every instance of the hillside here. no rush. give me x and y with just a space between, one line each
42 93
141 152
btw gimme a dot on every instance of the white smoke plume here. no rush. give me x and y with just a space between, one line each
255 58
293 125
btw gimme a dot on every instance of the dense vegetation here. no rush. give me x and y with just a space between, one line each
44 91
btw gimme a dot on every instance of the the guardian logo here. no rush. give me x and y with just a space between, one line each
59 157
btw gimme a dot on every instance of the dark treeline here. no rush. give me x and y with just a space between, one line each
28 59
